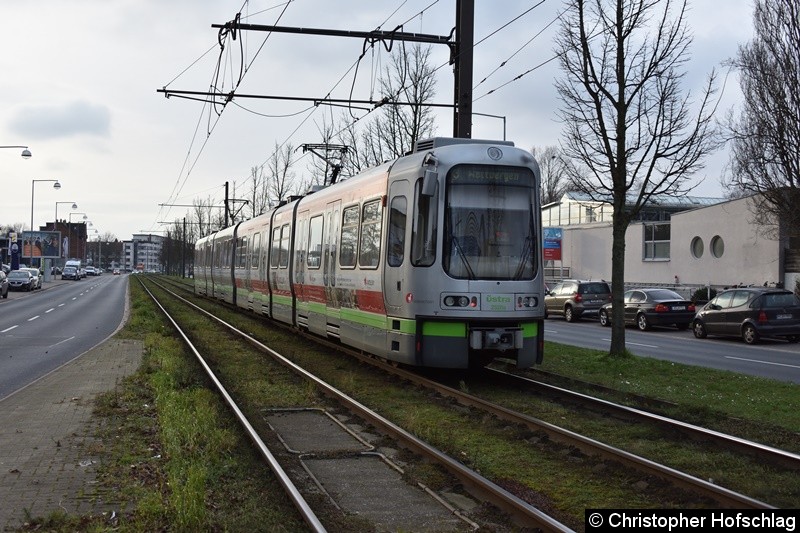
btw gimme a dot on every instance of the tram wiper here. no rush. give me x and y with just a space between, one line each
523 259
470 273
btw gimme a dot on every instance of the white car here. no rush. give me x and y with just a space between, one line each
37 277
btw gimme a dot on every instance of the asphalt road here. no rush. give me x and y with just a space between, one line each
774 359
44 329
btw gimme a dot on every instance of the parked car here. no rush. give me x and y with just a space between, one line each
91 271
70 273
3 284
37 277
21 280
752 313
576 298
649 307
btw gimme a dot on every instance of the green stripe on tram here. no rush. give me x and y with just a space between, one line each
530 329
444 329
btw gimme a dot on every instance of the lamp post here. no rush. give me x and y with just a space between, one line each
74 206
56 185
26 154
69 244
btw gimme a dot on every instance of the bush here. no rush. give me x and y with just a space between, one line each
702 294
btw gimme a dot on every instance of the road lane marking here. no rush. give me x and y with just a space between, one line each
61 305
759 361
51 309
65 340
8 329
34 318
629 343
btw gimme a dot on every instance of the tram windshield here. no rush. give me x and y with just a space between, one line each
489 223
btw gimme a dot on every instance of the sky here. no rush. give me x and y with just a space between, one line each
79 82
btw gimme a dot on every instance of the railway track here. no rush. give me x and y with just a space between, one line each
522 512
722 496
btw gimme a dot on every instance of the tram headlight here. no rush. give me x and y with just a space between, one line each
459 300
527 301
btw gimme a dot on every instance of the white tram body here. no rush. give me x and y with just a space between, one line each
433 259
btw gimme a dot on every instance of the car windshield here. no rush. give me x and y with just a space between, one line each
785 299
19 274
664 294
593 288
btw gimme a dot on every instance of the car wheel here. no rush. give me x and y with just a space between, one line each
642 322
568 315
682 326
604 319
749 334
699 330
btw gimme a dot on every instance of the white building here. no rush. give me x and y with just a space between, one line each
143 252
686 242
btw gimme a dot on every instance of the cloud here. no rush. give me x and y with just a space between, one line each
67 120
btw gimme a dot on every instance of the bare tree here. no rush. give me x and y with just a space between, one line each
629 128
554 174
259 192
279 174
765 155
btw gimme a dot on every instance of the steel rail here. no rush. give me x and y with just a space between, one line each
777 456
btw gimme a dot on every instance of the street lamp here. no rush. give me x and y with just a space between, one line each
56 185
74 206
26 154
69 244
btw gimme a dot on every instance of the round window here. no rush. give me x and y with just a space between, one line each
697 247
717 246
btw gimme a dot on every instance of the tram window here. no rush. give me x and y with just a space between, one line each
397 231
241 252
276 246
314 256
424 230
255 254
369 250
349 238
284 258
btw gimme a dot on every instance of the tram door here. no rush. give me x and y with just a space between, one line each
394 278
330 248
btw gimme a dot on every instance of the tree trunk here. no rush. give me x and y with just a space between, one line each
619 228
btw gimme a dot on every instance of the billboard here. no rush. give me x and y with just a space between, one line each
552 244
41 244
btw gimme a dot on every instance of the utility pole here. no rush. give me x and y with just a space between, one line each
462 66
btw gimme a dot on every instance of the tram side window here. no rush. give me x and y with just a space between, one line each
369 251
276 247
241 252
349 238
314 256
285 234
397 231
256 252
423 232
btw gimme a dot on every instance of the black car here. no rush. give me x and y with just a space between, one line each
752 313
21 279
653 307
3 284
70 273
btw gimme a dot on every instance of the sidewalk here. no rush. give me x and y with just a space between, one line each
46 436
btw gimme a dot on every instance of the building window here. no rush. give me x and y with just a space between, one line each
656 242
697 247
717 246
